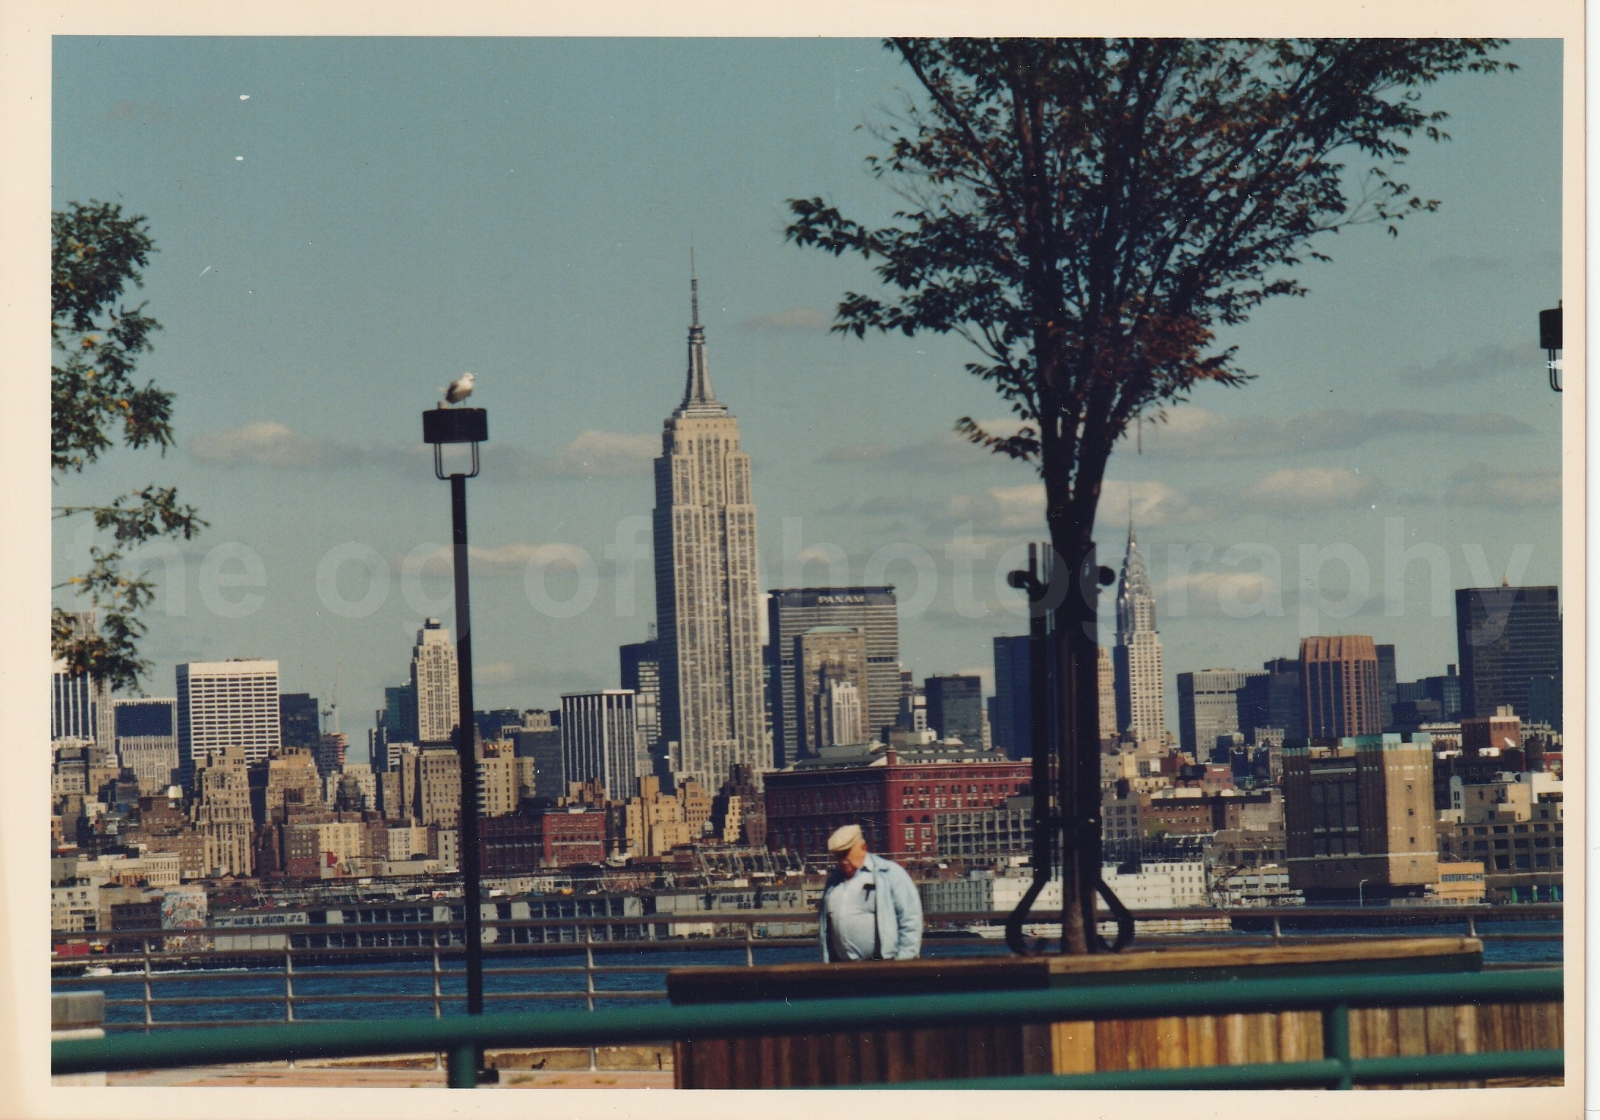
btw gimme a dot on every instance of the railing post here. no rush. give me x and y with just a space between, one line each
464 1065
144 950
438 1005
588 975
288 986
1336 1040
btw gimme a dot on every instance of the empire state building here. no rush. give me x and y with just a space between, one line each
1141 706
707 586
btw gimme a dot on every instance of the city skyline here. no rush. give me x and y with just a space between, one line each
852 441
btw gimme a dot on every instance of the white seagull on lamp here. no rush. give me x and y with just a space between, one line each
459 389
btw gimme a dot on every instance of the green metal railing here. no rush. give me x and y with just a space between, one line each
465 1038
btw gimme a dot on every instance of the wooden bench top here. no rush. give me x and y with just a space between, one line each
816 980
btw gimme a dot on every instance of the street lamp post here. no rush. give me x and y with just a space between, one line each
1361 897
471 426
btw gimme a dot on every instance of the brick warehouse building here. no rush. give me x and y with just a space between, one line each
897 795
518 844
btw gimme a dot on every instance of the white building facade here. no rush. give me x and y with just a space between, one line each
435 683
226 703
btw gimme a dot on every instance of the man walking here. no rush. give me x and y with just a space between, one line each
870 908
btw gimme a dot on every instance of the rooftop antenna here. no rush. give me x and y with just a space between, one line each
694 287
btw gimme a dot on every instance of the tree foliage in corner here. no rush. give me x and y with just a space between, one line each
1087 213
95 402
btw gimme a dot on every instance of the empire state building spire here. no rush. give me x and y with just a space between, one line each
698 399
1141 704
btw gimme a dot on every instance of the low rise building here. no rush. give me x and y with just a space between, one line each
897 796
1359 816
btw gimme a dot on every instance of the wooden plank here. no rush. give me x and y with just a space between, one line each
899 1060
1235 1040
1073 1047
1382 1033
1037 1044
1411 1030
1200 1033
1112 1049
1262 1030
1388 949
816 980
1300 1036
683 1065
1142 1043
1440 1029
1171 1042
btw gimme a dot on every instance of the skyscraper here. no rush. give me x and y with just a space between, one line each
1012 718
707 587
1141 706
80 703
1106 677
599 737
1386 685
825 657
793 611
641 672
1209 703
1340 678
226 703
1507 636
147 739
435 684
400 713
300 724
955 707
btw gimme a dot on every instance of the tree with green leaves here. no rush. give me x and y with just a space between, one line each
95 401
1087 213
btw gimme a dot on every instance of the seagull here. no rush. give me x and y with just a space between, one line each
459 389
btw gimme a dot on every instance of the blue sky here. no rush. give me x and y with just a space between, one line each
407 209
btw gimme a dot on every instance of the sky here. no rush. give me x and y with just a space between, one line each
345 225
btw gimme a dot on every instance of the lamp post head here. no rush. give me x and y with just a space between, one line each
454 425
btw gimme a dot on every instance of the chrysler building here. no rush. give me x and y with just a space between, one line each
1141 707
707 587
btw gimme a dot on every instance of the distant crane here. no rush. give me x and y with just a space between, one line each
332 710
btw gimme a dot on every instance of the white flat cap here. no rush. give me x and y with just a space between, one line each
844 838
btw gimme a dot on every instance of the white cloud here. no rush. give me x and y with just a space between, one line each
1493 360
597 454
1188 431
1309 490
1154 503
267 443
1479 484
947 451
793 319
1000 509
1211 593
510 559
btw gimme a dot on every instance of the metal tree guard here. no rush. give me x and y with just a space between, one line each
471 426
1066 787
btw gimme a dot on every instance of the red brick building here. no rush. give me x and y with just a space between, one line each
897 797
518 844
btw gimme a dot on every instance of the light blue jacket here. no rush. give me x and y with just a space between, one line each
898 906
